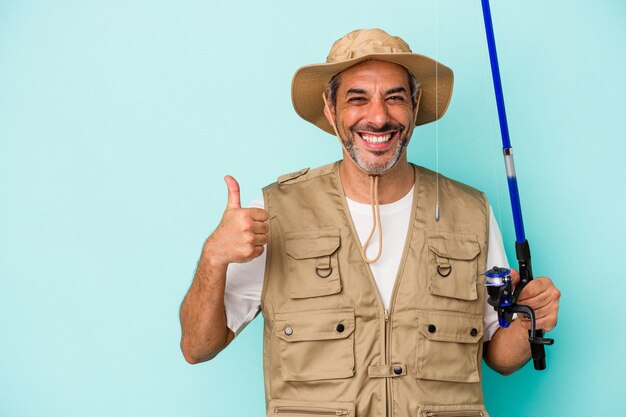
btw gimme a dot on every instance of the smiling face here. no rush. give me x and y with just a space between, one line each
374 114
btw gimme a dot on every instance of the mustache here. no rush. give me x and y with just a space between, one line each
373 129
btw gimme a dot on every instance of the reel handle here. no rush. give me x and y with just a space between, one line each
535 337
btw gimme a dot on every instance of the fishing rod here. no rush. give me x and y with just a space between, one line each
498 281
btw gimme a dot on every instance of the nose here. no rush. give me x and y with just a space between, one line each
377 113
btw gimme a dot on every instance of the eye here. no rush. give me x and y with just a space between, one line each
396 99
356 100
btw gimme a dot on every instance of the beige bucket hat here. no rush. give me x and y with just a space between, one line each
310 81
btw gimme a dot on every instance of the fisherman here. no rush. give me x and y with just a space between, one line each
366 270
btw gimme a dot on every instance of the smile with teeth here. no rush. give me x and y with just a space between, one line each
376 139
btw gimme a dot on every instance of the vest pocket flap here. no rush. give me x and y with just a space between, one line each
454 245
450 327
315 325
453 264
311 243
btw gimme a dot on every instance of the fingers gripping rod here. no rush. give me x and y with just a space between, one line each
522 249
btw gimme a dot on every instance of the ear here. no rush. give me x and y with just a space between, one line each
329 110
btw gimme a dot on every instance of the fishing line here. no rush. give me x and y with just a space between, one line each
437 207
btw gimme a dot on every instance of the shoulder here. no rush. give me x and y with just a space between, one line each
431 177
451 193
434 179
304 174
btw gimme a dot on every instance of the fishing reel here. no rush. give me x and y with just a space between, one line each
503 299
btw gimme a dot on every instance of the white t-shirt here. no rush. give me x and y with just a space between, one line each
244 282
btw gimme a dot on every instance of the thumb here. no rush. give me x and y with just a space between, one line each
234 200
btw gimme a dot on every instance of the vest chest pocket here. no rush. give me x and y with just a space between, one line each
316 345
448 346
312 266
453 265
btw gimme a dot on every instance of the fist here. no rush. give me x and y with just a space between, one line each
541 295
242 232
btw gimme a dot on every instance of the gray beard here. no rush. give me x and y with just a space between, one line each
374 169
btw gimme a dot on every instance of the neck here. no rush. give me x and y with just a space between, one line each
392 185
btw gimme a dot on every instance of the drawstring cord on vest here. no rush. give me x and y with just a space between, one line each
375 223
373 201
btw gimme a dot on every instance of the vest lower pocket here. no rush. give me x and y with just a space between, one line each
286 408
448 346
452 411
312 265
316 344
452 265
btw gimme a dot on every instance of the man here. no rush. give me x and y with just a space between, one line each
369 285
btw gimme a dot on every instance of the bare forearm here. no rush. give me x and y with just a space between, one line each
202 316
508 349
239 237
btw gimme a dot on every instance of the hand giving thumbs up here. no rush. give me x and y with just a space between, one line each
242 232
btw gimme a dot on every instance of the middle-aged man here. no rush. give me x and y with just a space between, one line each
370 281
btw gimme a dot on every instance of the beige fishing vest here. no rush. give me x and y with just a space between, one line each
330 348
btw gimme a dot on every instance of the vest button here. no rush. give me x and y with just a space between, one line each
432 328
341 328
473 332
288 331
397 370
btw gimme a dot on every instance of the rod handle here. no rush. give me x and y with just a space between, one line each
538 352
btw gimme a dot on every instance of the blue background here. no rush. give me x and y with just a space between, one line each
119 119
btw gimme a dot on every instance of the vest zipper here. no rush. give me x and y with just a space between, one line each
408 238
399 274
387 362
295 410
456 413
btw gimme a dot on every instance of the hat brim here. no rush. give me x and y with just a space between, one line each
436 81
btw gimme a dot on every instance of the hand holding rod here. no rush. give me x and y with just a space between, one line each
503 299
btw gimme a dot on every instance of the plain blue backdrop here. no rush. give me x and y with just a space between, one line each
119 119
